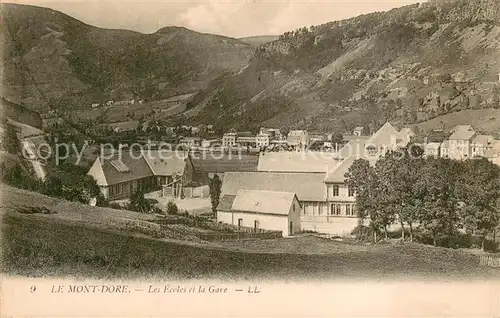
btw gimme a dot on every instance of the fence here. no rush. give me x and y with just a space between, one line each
240 236
488 260
196 192
144 227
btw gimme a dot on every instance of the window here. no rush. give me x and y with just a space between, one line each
293 207
335 190
348 209
335 209
240 222
350 192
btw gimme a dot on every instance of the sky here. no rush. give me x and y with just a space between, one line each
234 18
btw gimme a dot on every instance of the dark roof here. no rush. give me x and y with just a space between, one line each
136 164
307 186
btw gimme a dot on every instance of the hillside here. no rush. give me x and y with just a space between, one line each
50 56
406 65
20 114
258 40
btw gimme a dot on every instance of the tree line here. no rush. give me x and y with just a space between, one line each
438 196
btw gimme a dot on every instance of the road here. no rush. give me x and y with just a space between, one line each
30 154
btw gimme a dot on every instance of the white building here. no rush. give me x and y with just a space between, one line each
460 143
262 140
298 138
229 139
268 210
274 133
432 149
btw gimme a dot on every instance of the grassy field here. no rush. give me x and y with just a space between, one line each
33 245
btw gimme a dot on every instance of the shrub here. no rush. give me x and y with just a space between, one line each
362 232
172 208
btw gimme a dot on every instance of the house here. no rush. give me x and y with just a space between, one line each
432 149
407 133
445 149
269 210
481 144
172 170
385 139
121 174
245 141
95 105
298 138
493 154
358 131
207 143
292 161
460 143
273 133
190 142
123 126
229 139
262 140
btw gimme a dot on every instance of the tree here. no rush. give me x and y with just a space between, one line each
215 185
438 199
361 177
479 193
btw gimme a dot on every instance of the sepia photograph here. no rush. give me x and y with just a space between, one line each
250 147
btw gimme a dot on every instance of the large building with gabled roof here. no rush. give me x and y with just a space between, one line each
121 174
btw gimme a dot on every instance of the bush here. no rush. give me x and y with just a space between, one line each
172 208
362 232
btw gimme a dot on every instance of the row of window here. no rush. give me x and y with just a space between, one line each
349 209
346 209
335 191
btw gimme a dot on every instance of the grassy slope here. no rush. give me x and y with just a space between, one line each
77 242
36 246
483 120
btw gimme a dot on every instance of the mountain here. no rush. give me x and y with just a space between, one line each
51 58
407 65
258 40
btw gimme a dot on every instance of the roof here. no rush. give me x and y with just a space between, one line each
461 128
307 186
462 135
259 201
226 202
354 147
433 146
358 129
296 132
386 135
292 161
119 168
166 163
338 175
483 139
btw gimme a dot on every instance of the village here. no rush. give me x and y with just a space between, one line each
292 189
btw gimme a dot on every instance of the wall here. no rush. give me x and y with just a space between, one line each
266 221
337 225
